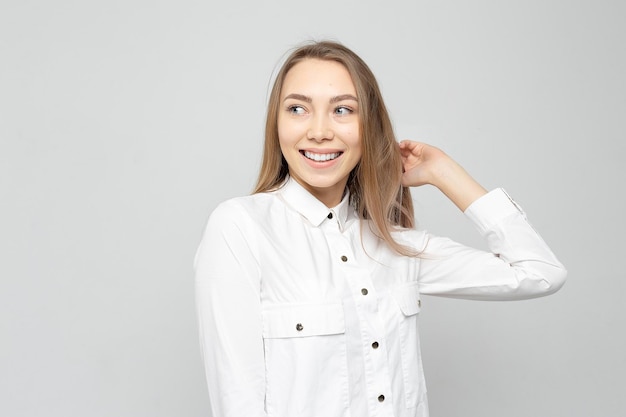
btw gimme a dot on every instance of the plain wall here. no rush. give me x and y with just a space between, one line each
124 123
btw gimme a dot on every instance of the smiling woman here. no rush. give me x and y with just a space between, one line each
309 290
375 182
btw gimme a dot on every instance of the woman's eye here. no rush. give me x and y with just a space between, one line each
296 109
343 111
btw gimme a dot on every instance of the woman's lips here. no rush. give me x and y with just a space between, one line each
320 157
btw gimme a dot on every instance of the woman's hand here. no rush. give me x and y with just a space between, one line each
425 164
421 163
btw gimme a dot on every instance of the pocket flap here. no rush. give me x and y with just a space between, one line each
408 298
302 320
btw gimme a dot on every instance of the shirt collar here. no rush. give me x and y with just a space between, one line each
297 197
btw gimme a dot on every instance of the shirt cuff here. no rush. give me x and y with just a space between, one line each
491 208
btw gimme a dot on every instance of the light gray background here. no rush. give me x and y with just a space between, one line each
123 123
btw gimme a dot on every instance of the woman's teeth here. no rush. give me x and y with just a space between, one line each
321 157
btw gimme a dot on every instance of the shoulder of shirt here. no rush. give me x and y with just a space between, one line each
415 238
243 208
409 236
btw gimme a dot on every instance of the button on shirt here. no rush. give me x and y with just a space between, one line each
303 311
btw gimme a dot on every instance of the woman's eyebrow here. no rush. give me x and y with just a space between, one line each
296 96
342 98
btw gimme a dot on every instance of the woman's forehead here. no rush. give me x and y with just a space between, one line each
318 77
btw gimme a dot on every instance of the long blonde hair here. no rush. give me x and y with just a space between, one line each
375 185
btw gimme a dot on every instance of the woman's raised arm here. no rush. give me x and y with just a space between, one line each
426 164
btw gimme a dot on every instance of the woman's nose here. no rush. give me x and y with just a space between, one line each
320 129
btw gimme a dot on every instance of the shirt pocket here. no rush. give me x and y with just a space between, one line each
301 320
408 298
409 301
305 360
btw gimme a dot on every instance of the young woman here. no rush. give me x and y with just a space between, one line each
308 290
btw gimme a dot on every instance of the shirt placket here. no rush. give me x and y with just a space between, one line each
359 284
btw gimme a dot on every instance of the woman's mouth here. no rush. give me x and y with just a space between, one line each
321 157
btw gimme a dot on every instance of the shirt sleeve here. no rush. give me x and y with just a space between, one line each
518 265
229 316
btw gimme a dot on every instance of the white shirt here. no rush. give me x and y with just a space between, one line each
304 312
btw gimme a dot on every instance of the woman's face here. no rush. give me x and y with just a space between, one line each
318 127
